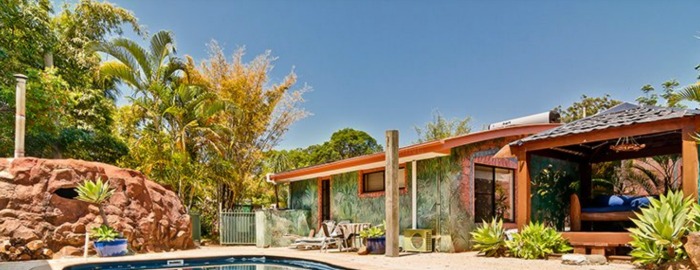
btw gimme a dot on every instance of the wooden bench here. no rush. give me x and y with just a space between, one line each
577 216
596 242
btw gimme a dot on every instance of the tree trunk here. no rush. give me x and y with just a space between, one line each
103 215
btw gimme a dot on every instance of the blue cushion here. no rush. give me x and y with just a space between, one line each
612 200
608 209
639 202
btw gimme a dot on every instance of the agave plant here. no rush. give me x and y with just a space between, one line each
536 241
104 233
660 229
490 238
97 193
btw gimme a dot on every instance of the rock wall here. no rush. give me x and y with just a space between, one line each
36 203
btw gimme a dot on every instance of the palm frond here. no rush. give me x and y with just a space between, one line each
162 45
121 54
118 70
690 92
139 54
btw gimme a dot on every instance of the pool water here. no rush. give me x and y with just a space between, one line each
217 263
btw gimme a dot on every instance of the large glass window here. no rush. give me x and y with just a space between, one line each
374 181
493 193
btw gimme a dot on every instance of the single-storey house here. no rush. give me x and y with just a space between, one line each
446 185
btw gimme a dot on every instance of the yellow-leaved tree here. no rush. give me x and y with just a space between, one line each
253 115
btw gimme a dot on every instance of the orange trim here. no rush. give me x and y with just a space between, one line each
374 194
439 146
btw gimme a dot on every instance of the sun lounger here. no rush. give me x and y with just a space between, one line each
323 240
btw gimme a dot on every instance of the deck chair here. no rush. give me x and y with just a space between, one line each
323 239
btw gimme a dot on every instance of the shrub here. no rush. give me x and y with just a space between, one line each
374 232
536 241
551 190
490 238
660 229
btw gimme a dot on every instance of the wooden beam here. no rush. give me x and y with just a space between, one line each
690 162
665 150
391 197
522 195
551 153
608 134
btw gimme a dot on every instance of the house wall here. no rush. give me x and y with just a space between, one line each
304 196
444 197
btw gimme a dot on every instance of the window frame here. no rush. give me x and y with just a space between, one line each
361 181
493 189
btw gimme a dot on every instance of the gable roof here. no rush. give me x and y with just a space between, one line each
624 114
409 153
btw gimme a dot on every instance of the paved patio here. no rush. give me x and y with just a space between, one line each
467 260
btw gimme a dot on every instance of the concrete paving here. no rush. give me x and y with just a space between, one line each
407 261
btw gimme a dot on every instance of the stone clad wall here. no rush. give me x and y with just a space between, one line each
34 206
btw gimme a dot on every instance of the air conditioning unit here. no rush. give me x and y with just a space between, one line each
418 240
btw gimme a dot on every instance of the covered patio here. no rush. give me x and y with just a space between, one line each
624 132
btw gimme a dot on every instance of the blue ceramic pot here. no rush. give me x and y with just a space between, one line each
111 248
376 245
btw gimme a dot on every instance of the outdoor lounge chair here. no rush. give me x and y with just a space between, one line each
323 239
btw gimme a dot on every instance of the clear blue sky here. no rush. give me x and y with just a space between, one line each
378 65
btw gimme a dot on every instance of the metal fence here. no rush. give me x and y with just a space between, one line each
237 228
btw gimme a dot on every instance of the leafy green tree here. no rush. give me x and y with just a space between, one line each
345 143
65 99
441 128
669 95
587 106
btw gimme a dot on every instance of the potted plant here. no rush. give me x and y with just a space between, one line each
108 242
376 239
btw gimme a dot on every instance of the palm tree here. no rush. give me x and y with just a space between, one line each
149 72
152 73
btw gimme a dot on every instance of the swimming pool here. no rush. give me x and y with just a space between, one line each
214 263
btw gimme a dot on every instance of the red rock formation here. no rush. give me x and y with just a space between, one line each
35 204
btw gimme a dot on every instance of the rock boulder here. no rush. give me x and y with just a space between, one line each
37 204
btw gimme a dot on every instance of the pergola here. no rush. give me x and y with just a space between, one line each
662 131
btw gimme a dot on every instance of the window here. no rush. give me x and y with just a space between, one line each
493 193
373 181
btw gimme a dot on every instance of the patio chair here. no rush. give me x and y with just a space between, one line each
323 239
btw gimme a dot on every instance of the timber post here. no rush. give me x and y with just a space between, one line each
20 99
391 197
689 152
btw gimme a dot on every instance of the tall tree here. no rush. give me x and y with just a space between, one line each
254 116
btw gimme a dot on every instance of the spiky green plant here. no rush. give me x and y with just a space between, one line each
490 238
657 238
95 192
374 231
536 241
104 233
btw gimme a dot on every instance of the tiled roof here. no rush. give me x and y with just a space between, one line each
624 114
